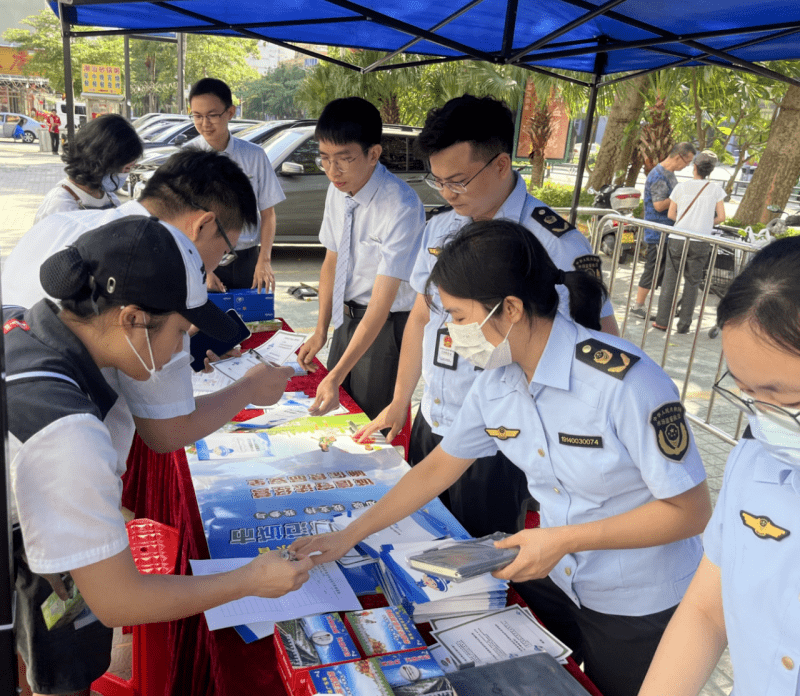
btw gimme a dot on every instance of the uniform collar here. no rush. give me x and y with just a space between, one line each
49 330
203 144
367 192
513 205
555 365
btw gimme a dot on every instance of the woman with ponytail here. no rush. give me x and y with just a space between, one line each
600 434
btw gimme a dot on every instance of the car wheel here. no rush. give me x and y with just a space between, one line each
607 244
28 137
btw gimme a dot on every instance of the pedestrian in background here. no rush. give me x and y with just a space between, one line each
660 182
53 124
104 151
697 206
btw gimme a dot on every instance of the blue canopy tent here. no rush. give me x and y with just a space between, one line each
599 39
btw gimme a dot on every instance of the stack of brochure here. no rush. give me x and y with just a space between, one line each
426 596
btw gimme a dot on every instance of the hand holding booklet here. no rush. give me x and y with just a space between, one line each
463 560
276 351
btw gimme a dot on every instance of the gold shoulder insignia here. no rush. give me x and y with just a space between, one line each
672 435
551 221
591 264
605 358
435 251
763 527
501 433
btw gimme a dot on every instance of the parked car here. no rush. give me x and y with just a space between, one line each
292 153
31 128
156 126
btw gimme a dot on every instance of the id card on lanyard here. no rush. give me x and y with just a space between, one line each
444 355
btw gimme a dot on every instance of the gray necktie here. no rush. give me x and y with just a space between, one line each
343 263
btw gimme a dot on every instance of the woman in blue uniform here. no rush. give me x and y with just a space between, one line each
600 434
746 592
129 291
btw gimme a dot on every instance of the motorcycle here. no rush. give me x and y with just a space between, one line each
623 200
779 225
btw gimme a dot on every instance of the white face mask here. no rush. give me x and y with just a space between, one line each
111 182
152 371
470 343
781 443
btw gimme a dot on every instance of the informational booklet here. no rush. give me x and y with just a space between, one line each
465 559
413 673
500 635
325 591
233 446
276 351
384 630
362 678
313 641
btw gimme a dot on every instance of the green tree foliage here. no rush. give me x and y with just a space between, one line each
272 96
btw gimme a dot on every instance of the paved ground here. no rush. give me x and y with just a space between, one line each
26 175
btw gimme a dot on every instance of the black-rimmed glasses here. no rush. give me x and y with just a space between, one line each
229 256
455 187
777 414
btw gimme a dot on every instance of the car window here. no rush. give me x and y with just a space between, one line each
414 163
305 154
395 152
13 118
281 142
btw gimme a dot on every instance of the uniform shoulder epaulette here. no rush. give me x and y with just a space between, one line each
430 212
551 221
605 358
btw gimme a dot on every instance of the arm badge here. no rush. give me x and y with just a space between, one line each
605 358
763 527
672 435
590 264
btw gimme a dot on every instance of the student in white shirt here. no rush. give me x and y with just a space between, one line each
130 291
371 229
212 107
104 151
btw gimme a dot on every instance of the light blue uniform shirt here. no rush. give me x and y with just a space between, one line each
590 450
747 539
445 388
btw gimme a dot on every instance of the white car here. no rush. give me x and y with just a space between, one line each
31 128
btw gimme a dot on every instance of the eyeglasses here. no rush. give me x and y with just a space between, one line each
777 414
455 187
229 256
211 118
341 163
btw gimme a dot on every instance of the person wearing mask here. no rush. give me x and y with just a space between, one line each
745 593
660 182
212 108
371 230
468 143
597 429
208 198
128 292
105 150
696 205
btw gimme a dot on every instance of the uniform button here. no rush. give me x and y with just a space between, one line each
787 662
541 452
557 491
435 424
568 571
437 401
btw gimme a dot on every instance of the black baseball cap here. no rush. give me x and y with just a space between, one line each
137 260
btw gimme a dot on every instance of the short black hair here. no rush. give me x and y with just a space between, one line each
489 260
211 85
766 294
103 146
683 149
350 120
486 123
206 178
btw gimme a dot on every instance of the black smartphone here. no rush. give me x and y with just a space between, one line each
200 342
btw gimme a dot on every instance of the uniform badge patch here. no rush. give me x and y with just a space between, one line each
435 251
501 433
551 221
672 435
15 324
763 527
590 264
605 358
595 441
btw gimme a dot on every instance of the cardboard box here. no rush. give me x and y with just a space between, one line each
310 643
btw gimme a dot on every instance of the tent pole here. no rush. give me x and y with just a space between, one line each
584 156
68 93
128 105
181 76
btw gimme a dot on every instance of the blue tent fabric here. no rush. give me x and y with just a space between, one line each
632 34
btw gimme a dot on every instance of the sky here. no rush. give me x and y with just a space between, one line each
12 11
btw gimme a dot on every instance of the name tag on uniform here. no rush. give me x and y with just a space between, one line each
580 440
445 356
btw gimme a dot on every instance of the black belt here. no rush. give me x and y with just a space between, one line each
357 311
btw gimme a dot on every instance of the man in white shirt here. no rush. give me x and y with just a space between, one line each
212 107
371 229
207 197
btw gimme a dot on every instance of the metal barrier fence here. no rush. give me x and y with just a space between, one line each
695 363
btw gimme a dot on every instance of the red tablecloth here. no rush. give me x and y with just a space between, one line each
203 662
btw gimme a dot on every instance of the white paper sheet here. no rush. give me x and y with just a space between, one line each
326 590
281 346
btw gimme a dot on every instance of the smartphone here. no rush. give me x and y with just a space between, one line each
200 342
